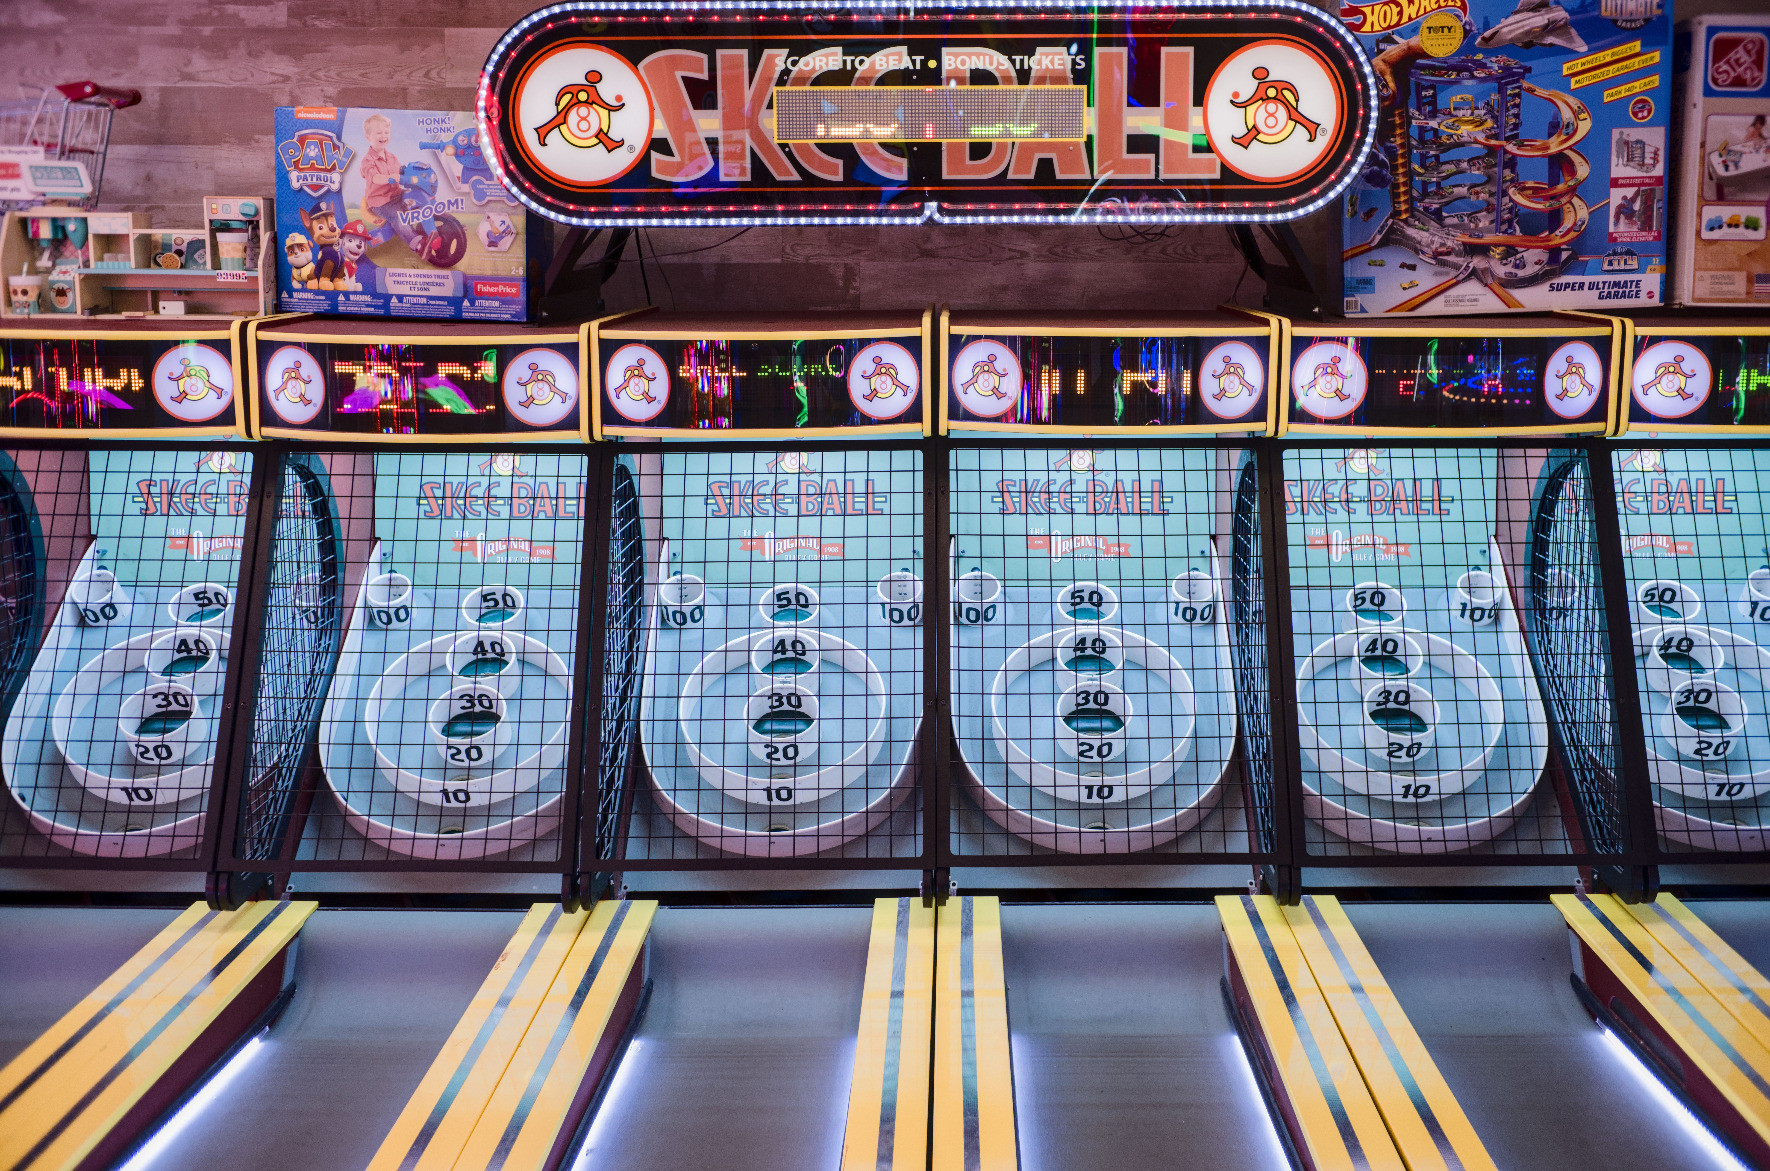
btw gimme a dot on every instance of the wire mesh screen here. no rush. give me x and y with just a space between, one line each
443 738
1570 648
1093 694
299 626
783 676
1419 717
1247 638
1696 558
623 643
120 571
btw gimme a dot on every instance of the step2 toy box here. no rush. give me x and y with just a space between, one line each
396 213
1521 157
1722 200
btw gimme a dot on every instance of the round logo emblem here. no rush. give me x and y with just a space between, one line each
1328 380
986 378
637 381
1672 379
883 380
1273 111
1641 109
581 115
1572 379
540 387
193 383
1232 381
294 388
1441 34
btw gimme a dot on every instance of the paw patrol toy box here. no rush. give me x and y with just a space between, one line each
1722 201
396 213
1521 160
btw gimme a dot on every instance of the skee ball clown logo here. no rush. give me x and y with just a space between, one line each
1329 380
883 380
986 378
1233 378
586 115
1572 379
294 388
1672 379
637 383
1273 111
540 387
193 383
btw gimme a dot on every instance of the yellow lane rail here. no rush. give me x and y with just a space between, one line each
102 1071
1427 1125
888 1098
1321 1093
973 1074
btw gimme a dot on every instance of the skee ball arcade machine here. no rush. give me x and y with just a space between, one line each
132 520
1696 556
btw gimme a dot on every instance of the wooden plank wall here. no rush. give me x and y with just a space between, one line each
212 71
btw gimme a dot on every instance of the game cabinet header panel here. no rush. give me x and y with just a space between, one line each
1166 112
1103 374
1697 373
747 377
415 382
122 379
1509 376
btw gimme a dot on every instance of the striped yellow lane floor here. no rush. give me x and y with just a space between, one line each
63 1094
887 1126
973 1118
1338 1125
1706 999
1428 1127
515 1073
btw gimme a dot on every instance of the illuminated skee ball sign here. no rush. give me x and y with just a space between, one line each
666 112
121 378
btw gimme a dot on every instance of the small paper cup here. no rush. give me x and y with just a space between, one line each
469 725
682 601
99 598
493 607
1475 601
900 598
1400 722
1705 721
780 724
977 598
204 604
389 598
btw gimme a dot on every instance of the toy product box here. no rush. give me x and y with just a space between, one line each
1521 157
397 213
1722 199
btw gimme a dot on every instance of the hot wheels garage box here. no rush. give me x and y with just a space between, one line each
396 213
1521 161
1722 202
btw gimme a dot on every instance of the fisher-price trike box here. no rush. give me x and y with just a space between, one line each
396 213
